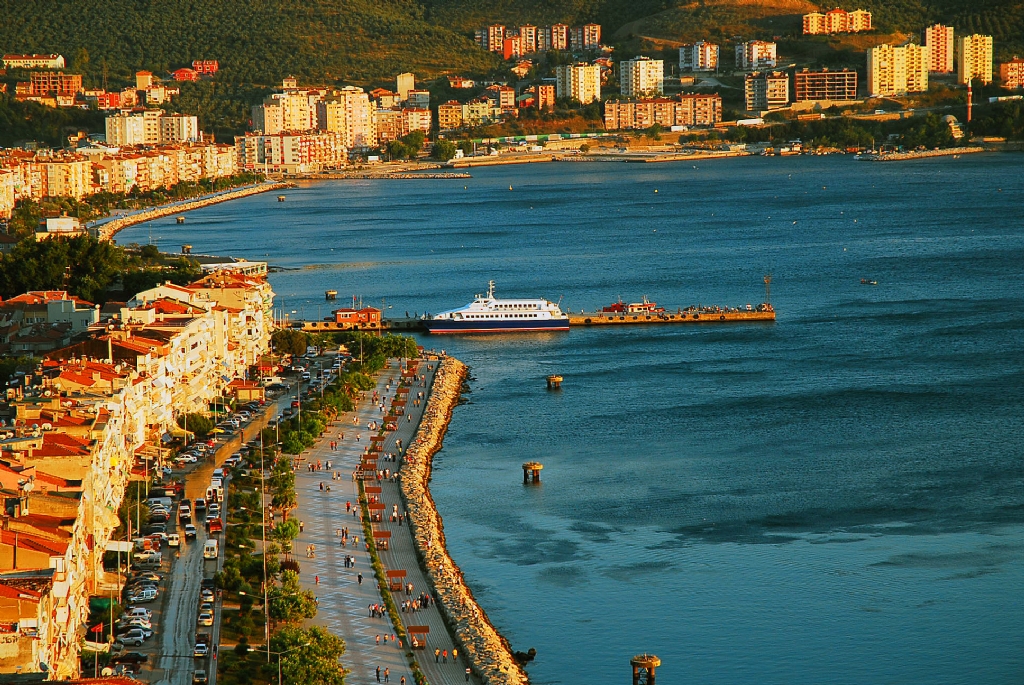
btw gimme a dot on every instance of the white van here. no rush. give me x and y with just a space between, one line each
174 540
211 550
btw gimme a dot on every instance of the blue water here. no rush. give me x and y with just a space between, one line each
837 497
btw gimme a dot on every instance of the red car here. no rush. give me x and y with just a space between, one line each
295 403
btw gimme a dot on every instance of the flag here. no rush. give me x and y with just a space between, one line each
98 628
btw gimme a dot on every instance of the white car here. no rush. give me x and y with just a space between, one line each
206 619
174 540
201 651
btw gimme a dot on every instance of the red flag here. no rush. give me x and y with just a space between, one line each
96 628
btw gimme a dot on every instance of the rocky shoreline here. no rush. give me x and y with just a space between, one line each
108 230
486 650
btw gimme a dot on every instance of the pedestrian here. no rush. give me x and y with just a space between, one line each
387 674
360 578
317 579
378 640
437 655
455 655
444 657
302 526
378 674
467 674
402 681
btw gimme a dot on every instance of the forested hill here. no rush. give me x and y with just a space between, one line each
256 41
366 41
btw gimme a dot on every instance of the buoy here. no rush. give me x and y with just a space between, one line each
510 187
655 190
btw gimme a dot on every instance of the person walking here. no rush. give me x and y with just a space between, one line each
302 526
455 655
467 673
437 655
378 674
444 656
387 674
360 578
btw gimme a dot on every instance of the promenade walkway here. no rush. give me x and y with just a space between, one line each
343 602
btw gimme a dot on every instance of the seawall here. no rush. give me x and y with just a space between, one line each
108 230
487 651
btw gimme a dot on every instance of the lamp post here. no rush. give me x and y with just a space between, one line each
280 654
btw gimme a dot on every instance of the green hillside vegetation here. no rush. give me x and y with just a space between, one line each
24 121
255 41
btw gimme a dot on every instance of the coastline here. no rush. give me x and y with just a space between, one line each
489 653
108 229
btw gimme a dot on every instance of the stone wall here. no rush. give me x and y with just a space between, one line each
487 651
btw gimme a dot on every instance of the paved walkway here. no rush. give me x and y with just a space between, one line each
343 602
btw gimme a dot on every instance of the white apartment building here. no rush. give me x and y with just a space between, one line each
974 58
939 41
152 127
700 56
292 110
897 70
349 111
581 82
766 91
403 84
756 54
641 77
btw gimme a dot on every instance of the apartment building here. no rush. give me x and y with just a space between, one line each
836 21
515 41
687 110
756 55
1010 73
580 82
766 90
80 424
55 83
449 116
8 179
974 58
939 41
528 39
292 110
151 127
348 111
545 96
558 37
699 56
897 70
824 85
51 61
403 84
291 152
205 67
642 77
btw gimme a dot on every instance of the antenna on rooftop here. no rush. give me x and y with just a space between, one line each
767 288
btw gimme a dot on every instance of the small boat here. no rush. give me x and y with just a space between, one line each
645 307
865 281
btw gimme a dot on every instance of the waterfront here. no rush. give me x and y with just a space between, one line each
834 497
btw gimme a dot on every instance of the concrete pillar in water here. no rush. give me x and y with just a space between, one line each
644 666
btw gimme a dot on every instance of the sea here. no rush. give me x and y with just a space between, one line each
835 497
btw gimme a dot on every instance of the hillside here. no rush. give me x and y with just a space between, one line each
256 41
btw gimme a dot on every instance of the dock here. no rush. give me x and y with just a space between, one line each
712 315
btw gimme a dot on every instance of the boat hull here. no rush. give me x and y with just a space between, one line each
447 326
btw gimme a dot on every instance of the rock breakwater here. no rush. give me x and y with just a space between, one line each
487 651
108 230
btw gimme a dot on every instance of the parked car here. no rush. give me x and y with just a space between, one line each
138 612
135 637
130 658
214 508
142 597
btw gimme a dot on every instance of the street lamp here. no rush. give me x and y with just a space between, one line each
279 654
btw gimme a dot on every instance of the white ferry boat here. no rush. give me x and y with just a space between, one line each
488 314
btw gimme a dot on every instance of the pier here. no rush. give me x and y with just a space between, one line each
710 315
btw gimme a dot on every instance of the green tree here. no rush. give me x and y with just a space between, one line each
289 602
444 150
200 424
287 341
309 655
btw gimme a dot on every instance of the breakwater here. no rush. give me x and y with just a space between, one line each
108 230
486 650
918 154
